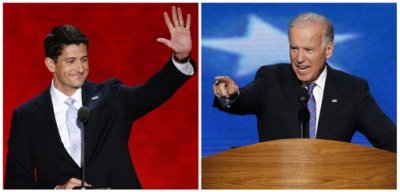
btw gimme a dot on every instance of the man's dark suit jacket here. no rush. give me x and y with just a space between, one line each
274 98
35 146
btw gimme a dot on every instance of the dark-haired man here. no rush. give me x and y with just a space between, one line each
45 143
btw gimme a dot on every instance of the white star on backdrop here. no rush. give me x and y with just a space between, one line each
262 44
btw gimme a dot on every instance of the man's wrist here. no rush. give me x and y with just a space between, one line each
227 102
183 60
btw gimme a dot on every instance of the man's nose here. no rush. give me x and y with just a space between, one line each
300 57
80 67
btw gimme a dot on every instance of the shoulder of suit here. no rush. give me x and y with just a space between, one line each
107 83
274 69
347 78
29 106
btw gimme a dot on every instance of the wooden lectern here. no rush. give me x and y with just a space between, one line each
300 164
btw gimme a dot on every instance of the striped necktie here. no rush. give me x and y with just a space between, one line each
74 131
311 105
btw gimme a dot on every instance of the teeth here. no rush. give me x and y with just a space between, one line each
302 68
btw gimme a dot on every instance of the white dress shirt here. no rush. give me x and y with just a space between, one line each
186 68
60 111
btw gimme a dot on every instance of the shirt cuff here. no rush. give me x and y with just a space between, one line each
185 68
226 103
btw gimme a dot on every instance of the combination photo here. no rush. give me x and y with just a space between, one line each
199 95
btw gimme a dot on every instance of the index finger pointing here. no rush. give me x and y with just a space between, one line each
222 78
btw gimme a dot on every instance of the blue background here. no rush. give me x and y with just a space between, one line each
370 54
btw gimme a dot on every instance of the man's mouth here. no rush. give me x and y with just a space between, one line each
77 76
303 68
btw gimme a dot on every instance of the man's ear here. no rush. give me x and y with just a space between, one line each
50 64
329 49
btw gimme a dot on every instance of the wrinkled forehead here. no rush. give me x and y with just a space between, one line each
307 33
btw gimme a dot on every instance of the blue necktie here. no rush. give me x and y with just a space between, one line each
311 105
74 131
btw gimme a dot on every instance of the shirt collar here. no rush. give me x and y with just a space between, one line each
58 98
320 82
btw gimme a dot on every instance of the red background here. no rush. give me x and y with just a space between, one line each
164 143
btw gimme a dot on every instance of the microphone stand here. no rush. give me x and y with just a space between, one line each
83 115
83 165
304 114
83 156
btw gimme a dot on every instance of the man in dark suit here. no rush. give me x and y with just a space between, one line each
339 104
44 149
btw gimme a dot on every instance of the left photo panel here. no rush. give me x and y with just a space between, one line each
100 96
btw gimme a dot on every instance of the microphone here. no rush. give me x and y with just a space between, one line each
83 116
303 114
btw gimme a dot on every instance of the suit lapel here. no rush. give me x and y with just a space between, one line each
47 118
329 104
291 88
91 98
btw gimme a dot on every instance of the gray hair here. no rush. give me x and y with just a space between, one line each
313 18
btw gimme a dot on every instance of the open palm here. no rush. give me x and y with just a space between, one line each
181 41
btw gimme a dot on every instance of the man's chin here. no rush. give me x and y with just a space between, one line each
303 78
78 84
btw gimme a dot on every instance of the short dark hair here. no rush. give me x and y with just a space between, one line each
61 36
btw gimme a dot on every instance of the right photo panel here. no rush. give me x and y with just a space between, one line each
298 95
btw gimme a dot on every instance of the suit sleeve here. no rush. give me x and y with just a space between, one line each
137 101
374 124
19 168
250 98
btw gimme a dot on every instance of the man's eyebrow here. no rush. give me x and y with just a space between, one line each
70 58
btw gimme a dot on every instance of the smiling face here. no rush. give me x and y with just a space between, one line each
308 51
70 69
